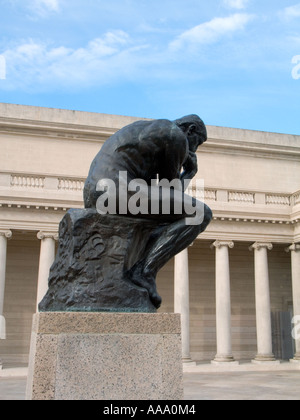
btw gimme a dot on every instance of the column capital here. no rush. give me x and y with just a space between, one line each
44 235
6 233
219 244
294 247
260 245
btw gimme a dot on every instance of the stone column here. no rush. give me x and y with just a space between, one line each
182 300
47 256
4 236
223 302
263 303
295 256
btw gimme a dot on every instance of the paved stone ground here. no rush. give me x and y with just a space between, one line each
243 386
12 389
208 386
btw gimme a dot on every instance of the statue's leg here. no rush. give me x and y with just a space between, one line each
173 239
169 240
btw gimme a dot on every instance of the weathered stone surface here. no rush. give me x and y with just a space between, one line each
77 357
91 270
104 323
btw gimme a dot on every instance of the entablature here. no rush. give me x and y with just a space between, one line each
246 214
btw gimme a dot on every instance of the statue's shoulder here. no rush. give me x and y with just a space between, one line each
148 124
157 132
162 128
162 124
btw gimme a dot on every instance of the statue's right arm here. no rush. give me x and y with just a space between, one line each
190 167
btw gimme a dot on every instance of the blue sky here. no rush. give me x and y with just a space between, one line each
229 61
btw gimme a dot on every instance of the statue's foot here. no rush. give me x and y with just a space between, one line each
155 299
147 281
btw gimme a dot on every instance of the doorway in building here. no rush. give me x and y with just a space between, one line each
283 343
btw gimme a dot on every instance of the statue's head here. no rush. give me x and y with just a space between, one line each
195 130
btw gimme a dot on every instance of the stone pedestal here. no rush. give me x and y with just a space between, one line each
105 356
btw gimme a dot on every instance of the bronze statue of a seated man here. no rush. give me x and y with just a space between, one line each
143 153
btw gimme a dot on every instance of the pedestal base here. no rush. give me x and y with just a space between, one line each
222 360
265 360
187 361
225 362
105 356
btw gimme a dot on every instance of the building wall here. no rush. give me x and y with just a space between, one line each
249 171
252 185
61 142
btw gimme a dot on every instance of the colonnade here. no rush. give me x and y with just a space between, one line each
181 298
223 300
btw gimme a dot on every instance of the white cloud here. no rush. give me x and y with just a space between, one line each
292 11
36 64
236 4
43 7
210 32
49 4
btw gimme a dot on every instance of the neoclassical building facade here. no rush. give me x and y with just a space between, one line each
237 287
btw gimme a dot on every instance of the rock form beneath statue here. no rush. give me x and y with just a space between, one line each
91 270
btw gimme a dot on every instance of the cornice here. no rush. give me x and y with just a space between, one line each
221 139
245 236
40 204
55 130
271 151
47 219
232 214
56 115
55 205
267 220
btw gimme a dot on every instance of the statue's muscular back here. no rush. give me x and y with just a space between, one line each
142 149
